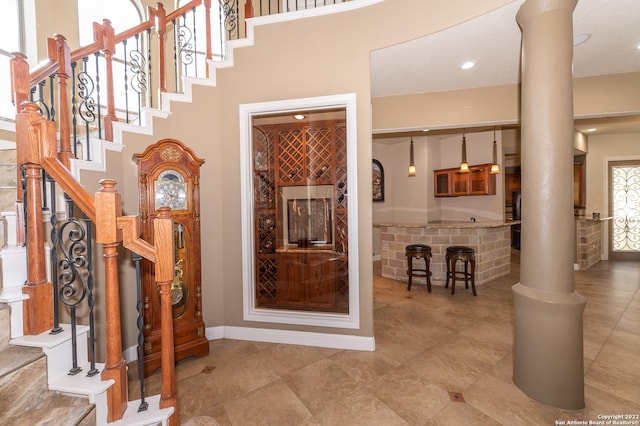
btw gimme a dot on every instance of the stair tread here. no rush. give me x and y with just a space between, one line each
15 357
55 409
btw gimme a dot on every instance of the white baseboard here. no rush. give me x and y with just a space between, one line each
305 338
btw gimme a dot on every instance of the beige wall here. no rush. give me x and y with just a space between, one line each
602 149
593 97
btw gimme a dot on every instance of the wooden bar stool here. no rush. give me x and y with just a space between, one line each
467 256
418 251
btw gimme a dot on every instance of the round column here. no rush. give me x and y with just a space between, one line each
548 349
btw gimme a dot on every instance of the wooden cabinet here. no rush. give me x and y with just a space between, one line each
442 183
307 278
578 187
453 183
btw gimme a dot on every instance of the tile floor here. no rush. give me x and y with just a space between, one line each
439 360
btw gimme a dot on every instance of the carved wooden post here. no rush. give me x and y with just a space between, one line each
164 267
108 48
108 209
248 13
31 128
207 12
161 29
19 94
63 56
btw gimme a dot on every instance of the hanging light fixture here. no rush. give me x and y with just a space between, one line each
412 165
495 167
464 166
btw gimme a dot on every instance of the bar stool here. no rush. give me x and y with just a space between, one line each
418 251
467 256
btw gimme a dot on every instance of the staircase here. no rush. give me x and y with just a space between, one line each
25 398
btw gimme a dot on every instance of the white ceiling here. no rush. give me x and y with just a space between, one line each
432 63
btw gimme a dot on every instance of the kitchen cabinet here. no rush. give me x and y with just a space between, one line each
478 181
442 183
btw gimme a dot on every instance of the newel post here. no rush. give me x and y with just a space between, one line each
19 94
108 41
63 57
164 268
31 131
161 29
108 209
207 13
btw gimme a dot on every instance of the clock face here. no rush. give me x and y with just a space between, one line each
170 190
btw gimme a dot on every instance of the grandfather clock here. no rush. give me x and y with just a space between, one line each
169 175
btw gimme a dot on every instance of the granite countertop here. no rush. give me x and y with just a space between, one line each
443 224
591 219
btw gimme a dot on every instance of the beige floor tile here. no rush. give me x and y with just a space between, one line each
361 408
273 404
505 403
458 414
412 397
321 384
426 345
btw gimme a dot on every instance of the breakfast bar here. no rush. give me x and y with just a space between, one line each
491 241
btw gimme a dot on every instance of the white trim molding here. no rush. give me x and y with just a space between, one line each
282 316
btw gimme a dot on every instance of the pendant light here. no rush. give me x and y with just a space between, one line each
464 166
412 165
495 167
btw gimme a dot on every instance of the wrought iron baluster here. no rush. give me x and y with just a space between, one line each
97 56
175 53
149 65
230 10
195 43
52 99
139 77
185 45
87 107
45 204
90 300
73 247
140 323
23 183
54 257
126 84
74 109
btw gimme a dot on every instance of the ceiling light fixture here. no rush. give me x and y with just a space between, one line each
468 65
299 116
464 166
495 167
593 129
412 166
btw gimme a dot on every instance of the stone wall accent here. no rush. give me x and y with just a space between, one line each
492 246
588 243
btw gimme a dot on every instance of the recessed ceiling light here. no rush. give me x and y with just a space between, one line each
580 38
593 129
425 130
468 65
299 116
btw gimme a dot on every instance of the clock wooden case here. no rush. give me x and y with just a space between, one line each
169 175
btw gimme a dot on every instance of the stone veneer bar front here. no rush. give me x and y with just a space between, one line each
491 241
588 241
